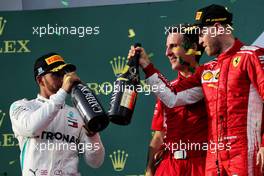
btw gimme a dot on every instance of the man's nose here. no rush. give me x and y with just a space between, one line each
201 40
168 52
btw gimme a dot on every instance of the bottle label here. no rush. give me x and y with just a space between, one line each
128 99
90 98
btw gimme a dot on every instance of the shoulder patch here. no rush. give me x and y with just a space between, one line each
16 109
261 60
251 48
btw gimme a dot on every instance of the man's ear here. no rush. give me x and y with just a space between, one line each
39 80
217 25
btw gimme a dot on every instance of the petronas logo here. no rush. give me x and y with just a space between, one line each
118 64
119 159
2 25
2 116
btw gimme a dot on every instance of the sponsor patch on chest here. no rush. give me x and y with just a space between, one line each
210 76
72 121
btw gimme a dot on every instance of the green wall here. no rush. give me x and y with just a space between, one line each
92 55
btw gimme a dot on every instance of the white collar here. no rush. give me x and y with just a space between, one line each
42 99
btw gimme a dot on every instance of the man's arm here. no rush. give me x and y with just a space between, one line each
94 151
167 93
255 68
154 147
157 140
185 92
29 122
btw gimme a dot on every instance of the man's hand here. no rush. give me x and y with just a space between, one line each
260 158
88 132
154 148
149 172
68 80
143 60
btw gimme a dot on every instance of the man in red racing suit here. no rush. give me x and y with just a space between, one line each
180 132
185 129
235 109
233 88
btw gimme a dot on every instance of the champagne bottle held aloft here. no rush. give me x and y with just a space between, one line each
93 114
124 96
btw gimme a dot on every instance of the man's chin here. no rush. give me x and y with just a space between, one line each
54 91
209 53
174 68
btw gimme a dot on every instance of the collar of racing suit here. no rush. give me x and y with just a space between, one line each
181 76
236 46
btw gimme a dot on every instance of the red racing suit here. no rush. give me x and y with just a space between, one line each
183 125
233 88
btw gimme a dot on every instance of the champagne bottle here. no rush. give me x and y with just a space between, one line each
93 114
125 92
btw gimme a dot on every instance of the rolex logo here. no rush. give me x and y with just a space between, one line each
118 64
2 116
2 25
118 159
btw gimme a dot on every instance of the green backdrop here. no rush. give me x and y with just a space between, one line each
119 27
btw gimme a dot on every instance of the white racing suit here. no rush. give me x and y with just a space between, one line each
51 136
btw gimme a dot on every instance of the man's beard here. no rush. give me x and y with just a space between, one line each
216 50
51 88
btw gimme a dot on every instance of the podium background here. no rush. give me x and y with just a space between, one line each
92 55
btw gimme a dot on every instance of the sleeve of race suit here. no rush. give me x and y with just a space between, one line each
158 119
255 68
95 153
30 122
187 91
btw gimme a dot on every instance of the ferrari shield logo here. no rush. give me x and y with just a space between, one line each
236 61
